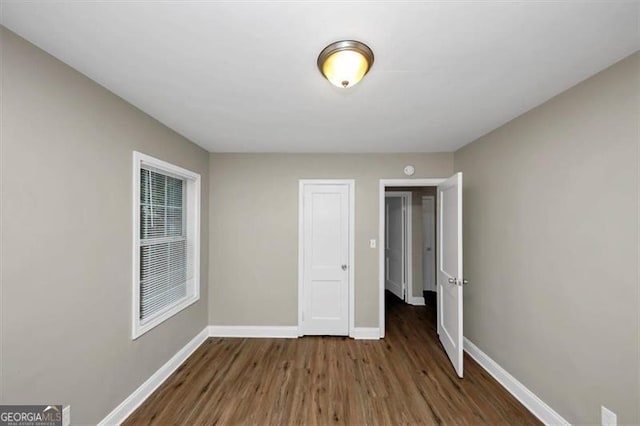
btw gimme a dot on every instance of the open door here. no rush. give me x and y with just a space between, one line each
449 271
395 244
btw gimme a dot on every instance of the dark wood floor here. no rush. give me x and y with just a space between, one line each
404 378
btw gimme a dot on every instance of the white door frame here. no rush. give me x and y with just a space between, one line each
407 241
384 183
351 185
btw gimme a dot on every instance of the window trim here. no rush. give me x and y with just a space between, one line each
192 219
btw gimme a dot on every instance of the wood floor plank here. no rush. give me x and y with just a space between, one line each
405 378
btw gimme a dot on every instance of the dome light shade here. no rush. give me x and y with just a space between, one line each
345 62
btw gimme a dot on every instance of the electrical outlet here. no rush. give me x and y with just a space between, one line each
66 415
372 243
609 418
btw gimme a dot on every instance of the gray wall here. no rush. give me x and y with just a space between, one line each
254 229
418 234
66 238
551 246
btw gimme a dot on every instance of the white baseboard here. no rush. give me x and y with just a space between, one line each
133 401
534 404
366 333
288 332
416 301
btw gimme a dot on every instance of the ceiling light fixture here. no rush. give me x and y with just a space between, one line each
345 62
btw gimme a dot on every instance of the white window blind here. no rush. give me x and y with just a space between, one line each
163 251
165 242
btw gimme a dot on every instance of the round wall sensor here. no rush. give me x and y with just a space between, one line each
409 170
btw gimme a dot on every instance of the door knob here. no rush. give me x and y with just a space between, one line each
452 281
465 282
344 267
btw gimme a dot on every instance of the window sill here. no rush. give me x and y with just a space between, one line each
141 328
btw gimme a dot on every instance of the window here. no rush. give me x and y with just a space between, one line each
166 240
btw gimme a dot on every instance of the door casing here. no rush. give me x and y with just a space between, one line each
351 185
385 183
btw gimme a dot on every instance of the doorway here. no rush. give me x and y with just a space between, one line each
410 243
326 257
448 252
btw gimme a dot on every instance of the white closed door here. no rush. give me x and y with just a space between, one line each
450 279
325 244
394 244
428 241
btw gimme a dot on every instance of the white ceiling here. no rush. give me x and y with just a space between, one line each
242 77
